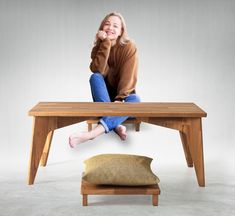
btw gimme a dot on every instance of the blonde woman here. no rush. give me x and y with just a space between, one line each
114 65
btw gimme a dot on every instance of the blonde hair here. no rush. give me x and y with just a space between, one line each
123 38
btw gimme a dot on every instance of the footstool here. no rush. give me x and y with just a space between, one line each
92 189
119 174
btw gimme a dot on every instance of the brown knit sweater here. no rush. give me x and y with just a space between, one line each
118 64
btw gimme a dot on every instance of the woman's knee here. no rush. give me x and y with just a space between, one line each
96 76
132 98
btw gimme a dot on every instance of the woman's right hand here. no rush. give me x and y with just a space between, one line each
101 35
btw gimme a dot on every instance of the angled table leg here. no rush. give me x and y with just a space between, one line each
60 122
46 148
191 136
185 143
42 126
43 130
195 144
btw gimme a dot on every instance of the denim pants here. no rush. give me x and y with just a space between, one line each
101 93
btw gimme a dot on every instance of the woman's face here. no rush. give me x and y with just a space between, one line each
113 27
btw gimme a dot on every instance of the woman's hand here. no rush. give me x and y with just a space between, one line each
101 35
117 101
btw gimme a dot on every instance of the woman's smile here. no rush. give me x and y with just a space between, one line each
109 32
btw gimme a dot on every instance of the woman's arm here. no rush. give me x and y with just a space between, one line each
128 73
99 56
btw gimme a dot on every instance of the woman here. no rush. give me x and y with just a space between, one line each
114 66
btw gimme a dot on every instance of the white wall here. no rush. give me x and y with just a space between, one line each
186 52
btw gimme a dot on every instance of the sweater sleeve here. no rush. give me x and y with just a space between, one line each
99 56
128 72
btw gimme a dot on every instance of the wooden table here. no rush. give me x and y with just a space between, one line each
184 117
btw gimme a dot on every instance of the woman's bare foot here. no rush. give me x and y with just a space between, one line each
78 138
121 132
81 137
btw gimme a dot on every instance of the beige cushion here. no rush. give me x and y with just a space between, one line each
119 169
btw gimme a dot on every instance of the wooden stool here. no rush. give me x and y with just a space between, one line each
134 121
91 189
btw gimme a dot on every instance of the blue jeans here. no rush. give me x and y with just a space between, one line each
101 93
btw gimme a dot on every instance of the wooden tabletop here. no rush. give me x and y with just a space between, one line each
143 109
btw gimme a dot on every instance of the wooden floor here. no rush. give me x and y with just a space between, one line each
91 189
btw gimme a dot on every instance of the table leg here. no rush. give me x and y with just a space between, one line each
155 199
194 135
43 130
185 143
191 137
85 200
42 126
89 126
46 149
137 126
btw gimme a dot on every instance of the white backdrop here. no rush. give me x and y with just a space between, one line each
186 53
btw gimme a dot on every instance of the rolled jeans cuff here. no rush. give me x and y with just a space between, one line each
104 125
